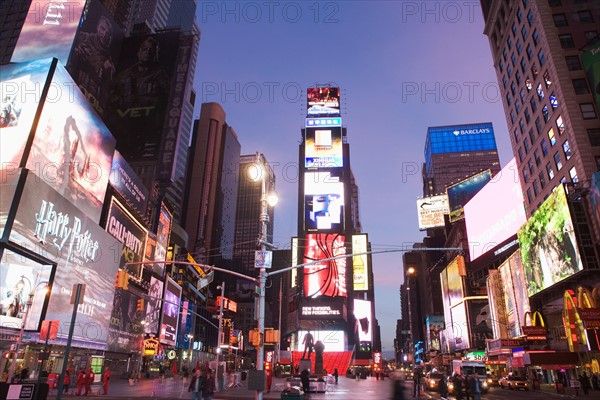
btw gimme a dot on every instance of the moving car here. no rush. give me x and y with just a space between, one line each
514 382
432 380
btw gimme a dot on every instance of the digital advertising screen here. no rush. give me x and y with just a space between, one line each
456 290
125 330
480 322
153 306
322 309
139 94
20 93
323 122
332 340
509 214
360 264
495 292
49 30
431 211
434 326
93 59
323 201
548 244
126 182
514 287
460 193
595 197
20 277
163 233
459 330
326 278
323 101
127 230
364 320
323 147
51 226
72 150
170 314
591 64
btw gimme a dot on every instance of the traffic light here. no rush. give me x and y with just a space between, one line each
140 305
122 280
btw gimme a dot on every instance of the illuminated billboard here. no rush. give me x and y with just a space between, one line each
323 147
153 306
323 101
360 264
21 276
458 329
480 322
431 210
495 293
363 328
332 340
170 314
514 288
323 309
323 122
125 181
456 290
326 278
49 225
590 59
595 197
125 329
509 214
323 201
434 326
548 244
127 230
163 233
72 149
49 30
20 95
460 193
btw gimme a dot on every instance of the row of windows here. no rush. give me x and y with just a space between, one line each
582 17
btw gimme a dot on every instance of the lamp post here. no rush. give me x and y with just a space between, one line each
411 272
20 286
190 339
219 333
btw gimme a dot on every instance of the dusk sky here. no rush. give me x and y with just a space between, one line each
402 66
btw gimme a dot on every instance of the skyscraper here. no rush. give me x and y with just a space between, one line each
12 17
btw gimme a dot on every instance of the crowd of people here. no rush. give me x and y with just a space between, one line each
202 385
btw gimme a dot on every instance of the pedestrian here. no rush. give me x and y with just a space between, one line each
467 386
269 380
208 388
196 384
80 381
304 378
457 382
89 379
474 387
416 384
443 387
585 383
336 375
105 381
67 381
595 383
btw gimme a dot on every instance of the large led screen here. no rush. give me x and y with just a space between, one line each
323 309
434 326
591 64
431 211
72 150
153 306
514 287
325 278
323 201
332 340
170 314
360 264
125 181
548 244
19 278
363 328
125 329
595 197
323 147
49 30
127 230
460 193
51 226
456 290
20 95
480 322
323 101
509 214
495 293
162 239
458 330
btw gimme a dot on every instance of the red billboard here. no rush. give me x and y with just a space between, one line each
325 278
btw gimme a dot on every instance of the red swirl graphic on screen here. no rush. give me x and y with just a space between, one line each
329 277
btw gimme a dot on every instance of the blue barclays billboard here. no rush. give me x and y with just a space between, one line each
459 138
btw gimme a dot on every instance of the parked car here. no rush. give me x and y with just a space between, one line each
514 382
432 380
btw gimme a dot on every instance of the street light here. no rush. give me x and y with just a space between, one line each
190 339
411 271
219 332
20 287
256 172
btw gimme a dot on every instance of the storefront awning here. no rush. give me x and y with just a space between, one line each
552 360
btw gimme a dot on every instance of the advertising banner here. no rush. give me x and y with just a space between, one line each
495 293
591 64
364 320
548 244
332 340
153 306
84 253
434 325
458 328
323 201
49 30
509 214
19 277
323 101
460 193
327 278
163 232
323 147
170 314
125 328
125 228
456 290
480 323
93 59
431 210
323 309
72 149
360 264
125 181
595 197
139 94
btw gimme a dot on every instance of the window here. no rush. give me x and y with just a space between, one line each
513 88
519 47
527 115
553 101
536 187
508 99
598 163
529 51
559 20
523 65
521 155
573 63
544 147
567 150
520 15
516 135
573 175
532 135
528 84
541 58
504 81
525 2
530 17
533 104
505 54
534 70
536 156
501 66
545 113
585 16
536 37
538 125
566 41
590 35
509 43
557 161
531 167
513 58
518 106
594 136
554 3
540 92
525 175
526 145
529 196
588 111
550 171
547 79
551 137
512 116
580 86
524 32
518 77
542 179
560 125
522 126
509 70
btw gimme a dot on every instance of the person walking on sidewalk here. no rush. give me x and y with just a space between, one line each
196 384
209 388
89 379
67 381
585 383
336 374
80 381
105 381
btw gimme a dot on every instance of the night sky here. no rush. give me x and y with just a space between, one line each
402 66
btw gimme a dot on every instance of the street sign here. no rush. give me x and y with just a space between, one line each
207 280
263 259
